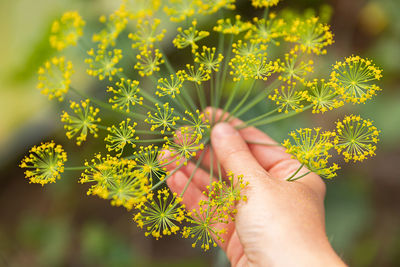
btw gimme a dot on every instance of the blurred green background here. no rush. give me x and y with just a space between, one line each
59 225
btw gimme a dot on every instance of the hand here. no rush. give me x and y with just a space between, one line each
281 223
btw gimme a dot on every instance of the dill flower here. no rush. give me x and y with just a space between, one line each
311 35
226 27
149 162
164 118
55 78
114 25
179 10
353 79
139 9
207 59
311 147
146 34
197 122
103 63
185 145
266 31
128 188
196 75
159 215
288 98
223 195
356 138
83 123
119 137
99 170
264 3
203 228
126 94
212 6
292 69
148 62
323 97
189 37
117 180
67 30
45 163
243 50
171 86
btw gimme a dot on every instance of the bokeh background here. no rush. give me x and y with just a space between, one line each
58 225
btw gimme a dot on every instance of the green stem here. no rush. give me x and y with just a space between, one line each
260 97
230 99
295 173
78 168
260 143
238 106
301 176
273 119
202 98
262 116
107 106
193 173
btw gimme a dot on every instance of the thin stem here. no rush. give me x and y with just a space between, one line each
77 168
301 176
193 172
166 177
202 98
273 119
107 106
260 143
230 99
226 61
262 116
238 106
260 97
295 173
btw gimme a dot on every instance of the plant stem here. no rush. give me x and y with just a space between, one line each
193 173
295 173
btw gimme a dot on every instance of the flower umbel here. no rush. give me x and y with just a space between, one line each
83 123
356 138
45 163
55 78
67 30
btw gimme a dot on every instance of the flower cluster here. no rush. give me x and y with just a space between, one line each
153 104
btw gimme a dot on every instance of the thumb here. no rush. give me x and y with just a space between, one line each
233 152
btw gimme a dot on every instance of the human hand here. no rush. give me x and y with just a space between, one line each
281 223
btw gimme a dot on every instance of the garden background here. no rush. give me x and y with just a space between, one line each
58 225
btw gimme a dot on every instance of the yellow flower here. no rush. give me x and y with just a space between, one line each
293 69
148 62
139 9
212 6
159 215
171 86
311 35
45 163
126 94
264 3
196 75
185 145
266 31
55 78
103 63
146 34
83 123
353 79
121 136
67 30
323 97
311 148
356 138
114 25
207 59
164 118
288 98
179 10
226 26
149 161
189 37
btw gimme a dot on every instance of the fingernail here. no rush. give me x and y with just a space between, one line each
223 129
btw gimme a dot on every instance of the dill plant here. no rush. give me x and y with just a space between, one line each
131 170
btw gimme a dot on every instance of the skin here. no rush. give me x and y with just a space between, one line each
281 223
